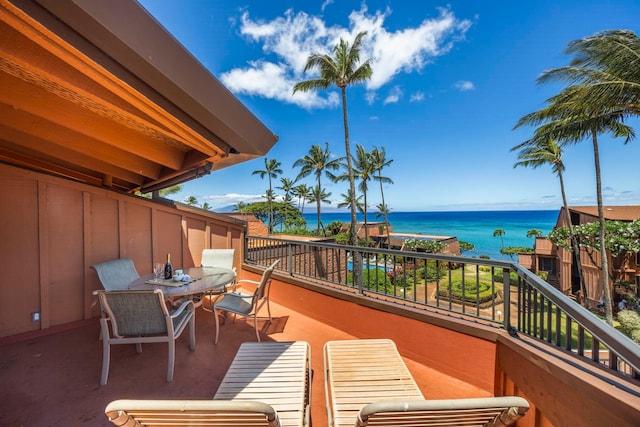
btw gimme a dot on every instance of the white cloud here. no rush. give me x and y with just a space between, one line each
464 85
288 40
416 97
394 96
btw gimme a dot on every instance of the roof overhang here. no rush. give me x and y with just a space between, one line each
113 101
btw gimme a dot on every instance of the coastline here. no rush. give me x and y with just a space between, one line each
475 227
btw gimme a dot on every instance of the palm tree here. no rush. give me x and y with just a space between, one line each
341 70
206 206
379 160
319 195
499 232
549 152
363 169
534 233
240 206
272 170
191 200
287 186
604 89
303 193
318 161
346 202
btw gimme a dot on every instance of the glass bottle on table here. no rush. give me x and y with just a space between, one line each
168 269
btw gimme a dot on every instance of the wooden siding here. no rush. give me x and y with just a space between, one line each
54 229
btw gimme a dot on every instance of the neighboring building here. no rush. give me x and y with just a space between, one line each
255 227
561 267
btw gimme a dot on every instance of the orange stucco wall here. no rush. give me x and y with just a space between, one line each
53 229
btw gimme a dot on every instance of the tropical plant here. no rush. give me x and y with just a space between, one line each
346 202
239 207
279 211
341 70
499 232
622 241
547 151
604 89
287 186
430 246
319 195
363 170
379 161
303 193
191 200
534 233
206 206
317 162
271 170
466 246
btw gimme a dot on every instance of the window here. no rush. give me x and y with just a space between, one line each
547 264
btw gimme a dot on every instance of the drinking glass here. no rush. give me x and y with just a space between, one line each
158 270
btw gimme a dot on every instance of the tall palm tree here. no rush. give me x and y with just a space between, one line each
302 192
191 200
319 195
549 152
341 70
287 186
271 170
318 162
499 232
363 170
379 160
604 89
346 202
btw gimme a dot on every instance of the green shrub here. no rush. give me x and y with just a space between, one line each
630 324
544 275
375 279
481 291
513 277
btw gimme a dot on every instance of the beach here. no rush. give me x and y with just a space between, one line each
475 227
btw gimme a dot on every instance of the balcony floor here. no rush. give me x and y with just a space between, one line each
53 380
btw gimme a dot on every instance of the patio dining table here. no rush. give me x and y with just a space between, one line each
203 279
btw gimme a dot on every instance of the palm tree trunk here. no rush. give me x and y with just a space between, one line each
318 206
574 243
384 212
270 207
603 249
366 228
356 260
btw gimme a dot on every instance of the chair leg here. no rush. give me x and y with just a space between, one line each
192 332
106 356
269 310
172 356
138 347
255 325
215 315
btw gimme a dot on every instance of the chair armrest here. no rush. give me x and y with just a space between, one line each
183 307
253 282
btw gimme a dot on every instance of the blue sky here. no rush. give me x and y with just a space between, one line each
450 81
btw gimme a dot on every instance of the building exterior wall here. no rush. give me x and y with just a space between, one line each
54 229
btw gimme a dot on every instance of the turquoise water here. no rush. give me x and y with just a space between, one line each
475 227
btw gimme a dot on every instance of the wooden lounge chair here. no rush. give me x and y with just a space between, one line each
368 383
267 384
151 413
276 373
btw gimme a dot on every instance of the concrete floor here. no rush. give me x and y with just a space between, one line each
54 380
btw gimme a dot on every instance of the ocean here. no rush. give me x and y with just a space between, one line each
475 227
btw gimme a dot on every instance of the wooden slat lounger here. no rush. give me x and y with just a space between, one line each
276 373
268 384
368 383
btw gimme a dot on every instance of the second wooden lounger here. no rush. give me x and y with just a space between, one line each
276 373
359 372
368 383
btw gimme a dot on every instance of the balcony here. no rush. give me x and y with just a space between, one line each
51 377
